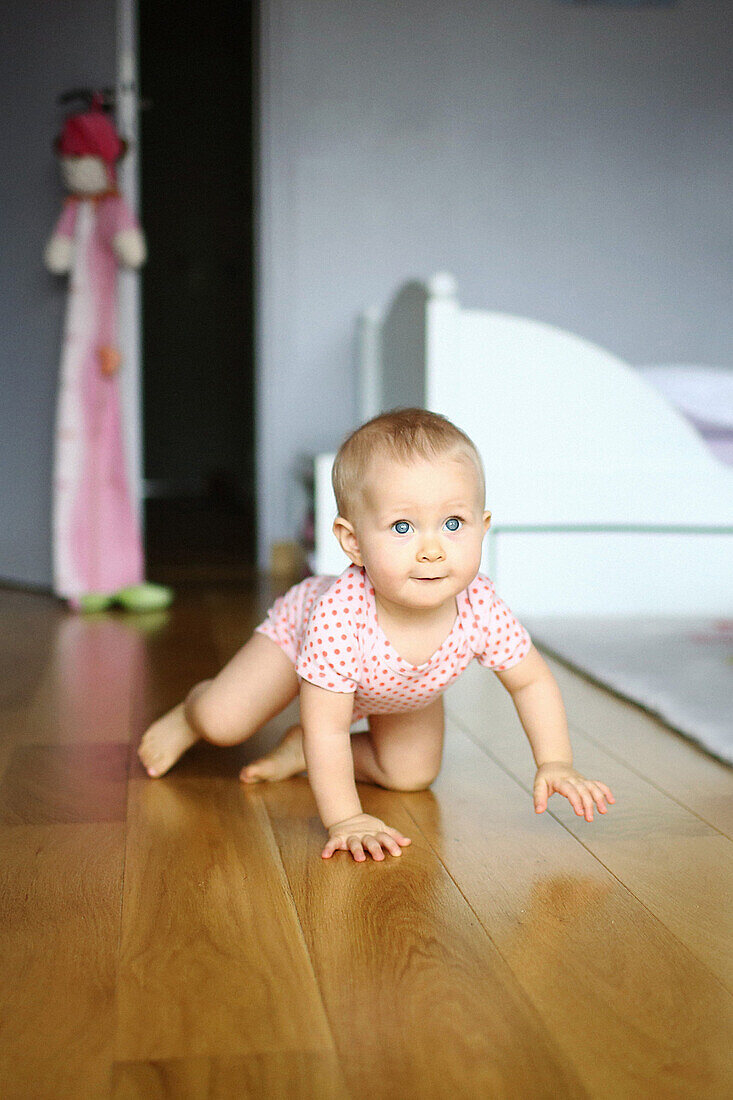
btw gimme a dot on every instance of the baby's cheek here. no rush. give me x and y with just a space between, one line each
384 567
470 554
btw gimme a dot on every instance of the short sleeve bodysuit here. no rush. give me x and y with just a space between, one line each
328 628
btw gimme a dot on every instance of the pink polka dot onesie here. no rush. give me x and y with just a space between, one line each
328 628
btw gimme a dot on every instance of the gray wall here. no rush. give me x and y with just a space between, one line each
567 163
45 50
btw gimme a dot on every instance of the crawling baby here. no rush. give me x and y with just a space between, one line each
382 642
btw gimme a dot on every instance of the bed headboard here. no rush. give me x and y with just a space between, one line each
393 348
574 441
569 433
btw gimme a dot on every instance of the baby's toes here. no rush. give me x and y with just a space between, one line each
254 773
150 760
157 755
145 752
150 763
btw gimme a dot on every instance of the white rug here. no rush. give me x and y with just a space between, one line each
680 669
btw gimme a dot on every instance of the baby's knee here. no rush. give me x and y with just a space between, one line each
205 717
416 782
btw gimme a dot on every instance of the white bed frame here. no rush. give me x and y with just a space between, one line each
605 500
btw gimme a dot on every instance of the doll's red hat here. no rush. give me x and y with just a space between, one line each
91 134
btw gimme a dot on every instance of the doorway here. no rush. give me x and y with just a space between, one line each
196 63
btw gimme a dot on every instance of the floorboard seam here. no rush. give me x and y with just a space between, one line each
686 742
519 985
700 962
131 748
291 896
582 733
575 729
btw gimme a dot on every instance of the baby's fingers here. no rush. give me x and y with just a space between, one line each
396 835
377 843
600 793
332 846
578 798
606 790
373 847
351 844
356 848
391 844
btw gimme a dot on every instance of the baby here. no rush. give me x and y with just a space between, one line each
383 641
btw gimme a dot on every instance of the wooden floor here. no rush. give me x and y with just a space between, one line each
182 937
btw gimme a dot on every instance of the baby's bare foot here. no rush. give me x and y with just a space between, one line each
286 759
165 742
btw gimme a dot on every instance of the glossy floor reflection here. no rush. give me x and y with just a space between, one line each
182 937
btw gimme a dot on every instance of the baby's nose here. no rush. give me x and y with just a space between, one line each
430 551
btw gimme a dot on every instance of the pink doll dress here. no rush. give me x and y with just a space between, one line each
328 628
97 546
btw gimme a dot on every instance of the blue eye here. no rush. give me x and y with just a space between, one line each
401 527
453 524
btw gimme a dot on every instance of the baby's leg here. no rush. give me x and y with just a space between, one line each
257 684
401 751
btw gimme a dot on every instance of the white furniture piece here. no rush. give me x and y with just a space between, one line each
605 500
704 394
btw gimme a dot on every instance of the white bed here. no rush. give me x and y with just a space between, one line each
605 500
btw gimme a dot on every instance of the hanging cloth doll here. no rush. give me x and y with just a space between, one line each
97 544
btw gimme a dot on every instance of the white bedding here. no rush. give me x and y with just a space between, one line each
704 395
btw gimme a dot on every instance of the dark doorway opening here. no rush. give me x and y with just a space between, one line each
197 65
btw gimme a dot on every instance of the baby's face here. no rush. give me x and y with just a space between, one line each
420 528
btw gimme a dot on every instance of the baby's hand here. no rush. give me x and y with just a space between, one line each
580 792
356 833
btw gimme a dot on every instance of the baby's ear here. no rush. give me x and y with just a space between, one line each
487 521
346 535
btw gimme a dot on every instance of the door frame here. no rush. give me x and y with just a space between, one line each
129 316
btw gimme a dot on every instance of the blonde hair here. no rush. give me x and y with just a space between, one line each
401 434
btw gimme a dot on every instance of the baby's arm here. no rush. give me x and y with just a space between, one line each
537 698
326 720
